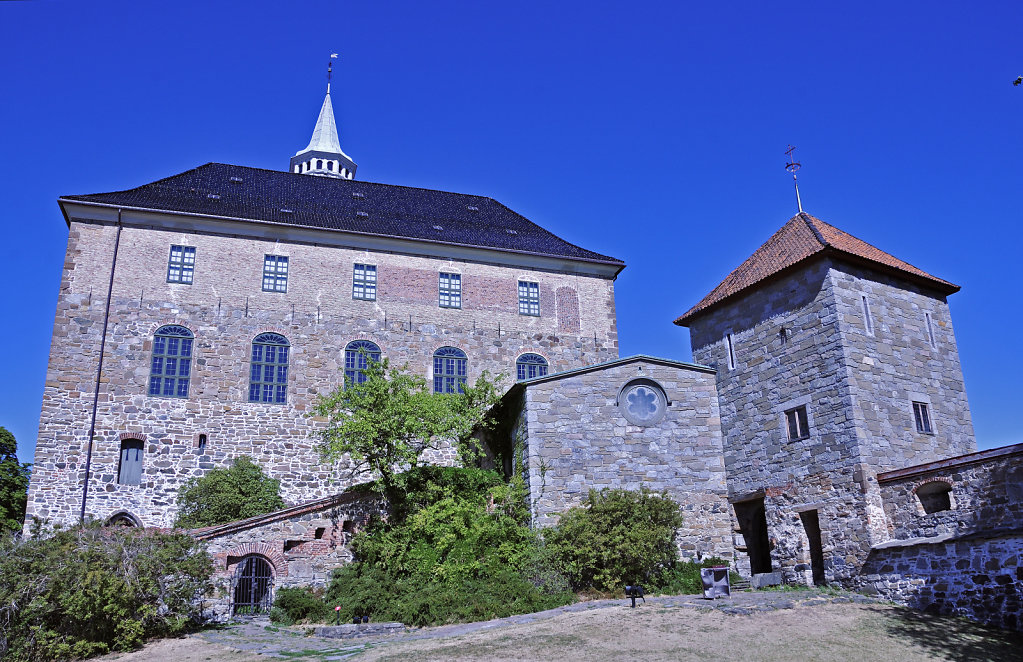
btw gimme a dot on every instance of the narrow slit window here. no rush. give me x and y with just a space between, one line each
364 282
529 298
922 417
450 290
181 265
783 336
275 273
930 330
797 423
731 351
868 322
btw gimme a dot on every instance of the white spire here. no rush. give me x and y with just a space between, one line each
325 132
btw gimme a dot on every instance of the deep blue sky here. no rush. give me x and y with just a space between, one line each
653 132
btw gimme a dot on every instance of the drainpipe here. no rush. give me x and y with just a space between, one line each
99 369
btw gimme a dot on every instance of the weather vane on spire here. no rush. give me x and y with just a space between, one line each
330 68
793 166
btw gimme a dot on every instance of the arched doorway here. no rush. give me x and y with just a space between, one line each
253 586
123 518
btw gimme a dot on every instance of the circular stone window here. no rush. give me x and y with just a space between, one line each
642 403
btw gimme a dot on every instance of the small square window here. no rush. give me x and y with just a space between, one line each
529 298
797 423
450 291
275 273
364 282
922 417
181 265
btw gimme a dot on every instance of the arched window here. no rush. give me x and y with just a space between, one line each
319 164
935 496
253 586
172 361
358 354
129 469
528 366
123 519
450 367
268 376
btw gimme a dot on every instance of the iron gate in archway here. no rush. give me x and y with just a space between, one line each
253 586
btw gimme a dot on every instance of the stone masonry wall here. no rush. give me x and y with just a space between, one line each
895 363
774 373
977 576
225 308
577 439
985 495
303 547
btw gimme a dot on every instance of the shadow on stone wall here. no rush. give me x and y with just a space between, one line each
952 637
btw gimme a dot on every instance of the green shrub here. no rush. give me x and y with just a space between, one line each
616 537
225 495
457 547
298 605
88 590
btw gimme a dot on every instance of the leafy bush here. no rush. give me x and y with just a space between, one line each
297 605
88 590
226 495
13 484
456 547
616 537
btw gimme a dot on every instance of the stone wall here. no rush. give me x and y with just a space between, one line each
574 437
976 576
225 308
800 340
985 492
303 544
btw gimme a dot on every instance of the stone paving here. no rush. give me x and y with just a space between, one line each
260 636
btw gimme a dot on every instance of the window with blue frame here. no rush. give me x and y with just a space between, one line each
358 354
450 290
181 265
529 366
275 273
529 298
364 282
171 366
450 367
268 374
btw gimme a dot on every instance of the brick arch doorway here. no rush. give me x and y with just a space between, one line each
253 586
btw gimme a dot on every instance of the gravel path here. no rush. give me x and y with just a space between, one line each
260 636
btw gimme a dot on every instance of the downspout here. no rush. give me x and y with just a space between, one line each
99 368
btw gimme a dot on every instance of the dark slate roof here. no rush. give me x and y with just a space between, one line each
802 238
347 206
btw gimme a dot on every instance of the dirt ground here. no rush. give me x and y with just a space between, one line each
833 632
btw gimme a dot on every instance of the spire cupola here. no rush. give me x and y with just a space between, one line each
323 155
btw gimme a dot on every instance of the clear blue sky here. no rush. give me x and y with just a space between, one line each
653 132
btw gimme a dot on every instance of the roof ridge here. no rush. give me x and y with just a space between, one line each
808 219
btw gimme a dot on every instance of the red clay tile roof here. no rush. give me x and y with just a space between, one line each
802 238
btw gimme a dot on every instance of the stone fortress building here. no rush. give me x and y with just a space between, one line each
822 434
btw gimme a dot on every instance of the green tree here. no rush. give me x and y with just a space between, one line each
226 495
387 422
13 483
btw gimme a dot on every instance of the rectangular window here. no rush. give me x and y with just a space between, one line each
364 282
181 264
798 425
731 351
129 470
930 330
868 323
923 418
275 273
529 298
450 290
